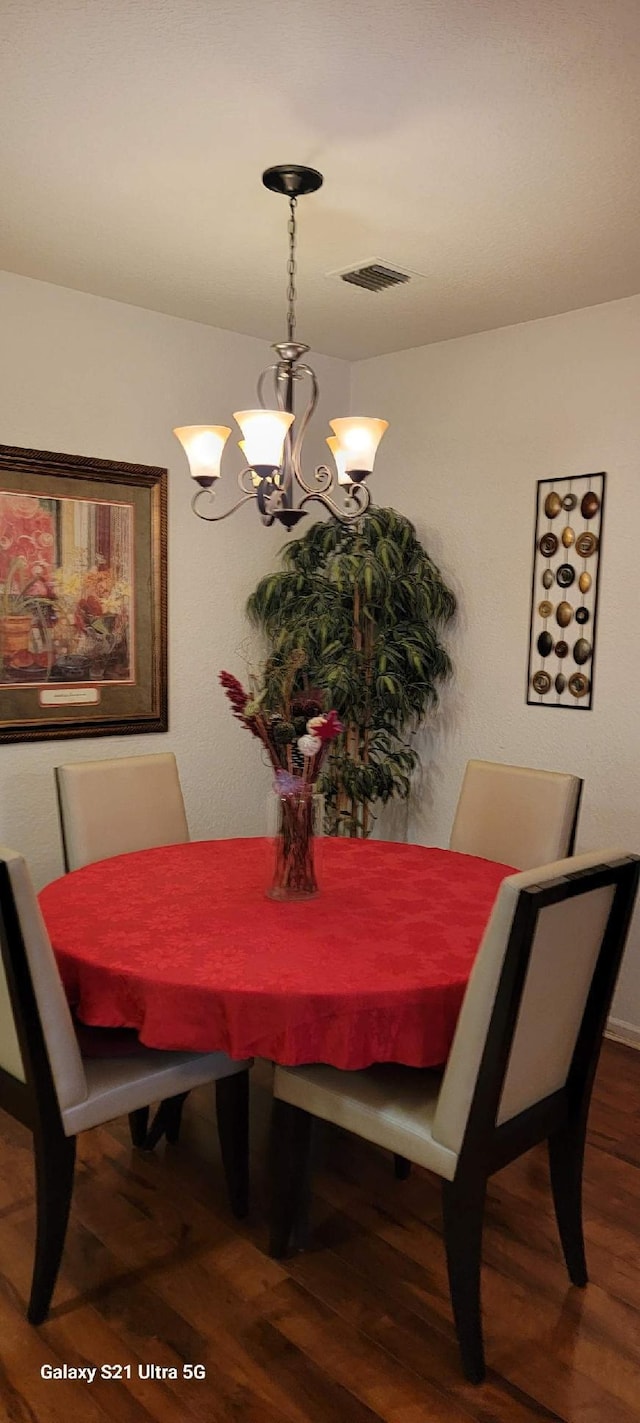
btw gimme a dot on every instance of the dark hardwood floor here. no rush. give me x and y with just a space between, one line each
358 1329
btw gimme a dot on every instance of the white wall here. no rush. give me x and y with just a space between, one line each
86 376
474 423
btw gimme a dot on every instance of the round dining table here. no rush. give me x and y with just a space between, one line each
182 945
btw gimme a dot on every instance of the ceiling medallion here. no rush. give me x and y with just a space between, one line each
272 439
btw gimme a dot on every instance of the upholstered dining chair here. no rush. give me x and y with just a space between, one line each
113 807
47 1085
520 1072
516 815
117 805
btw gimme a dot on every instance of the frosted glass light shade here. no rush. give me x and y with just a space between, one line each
256 479
340 457
358 438
203 446
263 435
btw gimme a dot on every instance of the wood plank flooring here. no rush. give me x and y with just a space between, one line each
356 1330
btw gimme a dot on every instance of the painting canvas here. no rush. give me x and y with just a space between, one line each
82 596
66 569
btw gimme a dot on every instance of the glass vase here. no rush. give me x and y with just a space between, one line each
294 875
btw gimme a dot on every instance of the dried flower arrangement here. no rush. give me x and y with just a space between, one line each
296 735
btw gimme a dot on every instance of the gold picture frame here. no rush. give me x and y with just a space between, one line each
83 596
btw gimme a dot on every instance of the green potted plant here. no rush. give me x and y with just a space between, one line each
367 604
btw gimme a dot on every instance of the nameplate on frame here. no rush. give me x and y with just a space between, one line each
69 696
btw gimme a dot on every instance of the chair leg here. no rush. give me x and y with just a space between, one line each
566 1157
232 1111
166 1121
401 1168
55 1159
174 1107
463 1214
138 1121
290 1153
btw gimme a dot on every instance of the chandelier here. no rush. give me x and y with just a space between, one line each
272 439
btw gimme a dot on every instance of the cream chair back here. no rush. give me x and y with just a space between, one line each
516 815
567 936
21 919
118 805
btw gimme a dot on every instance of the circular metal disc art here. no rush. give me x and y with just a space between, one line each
579 685
563 595
552 505
590 505
586 544
581 651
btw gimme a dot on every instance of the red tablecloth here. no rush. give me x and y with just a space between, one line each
181 944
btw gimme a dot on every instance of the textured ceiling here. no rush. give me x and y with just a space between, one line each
489 145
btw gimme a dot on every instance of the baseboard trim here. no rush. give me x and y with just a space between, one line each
621 1032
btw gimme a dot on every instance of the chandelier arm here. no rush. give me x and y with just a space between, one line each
261 379
359 495
304 421
323 476
216 518
274 502
244 487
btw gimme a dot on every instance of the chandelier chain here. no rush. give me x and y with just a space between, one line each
291 271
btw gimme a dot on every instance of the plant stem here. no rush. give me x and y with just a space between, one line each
264 737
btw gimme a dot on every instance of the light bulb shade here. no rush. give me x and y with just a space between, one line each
256 479
358 439
264 434
340 458
203 446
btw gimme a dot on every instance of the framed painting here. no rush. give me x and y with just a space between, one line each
83 596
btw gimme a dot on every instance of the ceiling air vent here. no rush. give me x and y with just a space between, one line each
374 277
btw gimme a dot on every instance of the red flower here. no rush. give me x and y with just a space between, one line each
234 690
329 727
86 610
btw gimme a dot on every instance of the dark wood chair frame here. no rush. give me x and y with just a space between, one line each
35 1104
559 1119
574 826
402 1167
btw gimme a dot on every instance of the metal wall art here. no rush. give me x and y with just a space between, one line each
564 595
